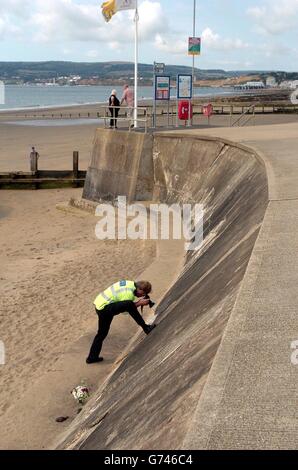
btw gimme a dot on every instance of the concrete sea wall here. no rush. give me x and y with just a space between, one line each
121 164
151 399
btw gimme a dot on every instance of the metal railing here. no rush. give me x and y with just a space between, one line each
125 114
250 113
166 114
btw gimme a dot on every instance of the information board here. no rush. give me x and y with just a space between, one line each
184 87
162 88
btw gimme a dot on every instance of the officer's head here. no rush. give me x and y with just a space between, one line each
143 288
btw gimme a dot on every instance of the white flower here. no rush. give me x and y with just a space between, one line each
81 394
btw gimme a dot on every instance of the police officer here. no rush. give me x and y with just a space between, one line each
119 298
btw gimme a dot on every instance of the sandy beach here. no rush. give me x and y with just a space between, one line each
54 144
52 267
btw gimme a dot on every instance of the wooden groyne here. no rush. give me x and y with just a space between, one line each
44 179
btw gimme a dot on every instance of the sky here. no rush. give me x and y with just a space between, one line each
236 34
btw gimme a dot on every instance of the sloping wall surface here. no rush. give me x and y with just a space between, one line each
150 400
115 166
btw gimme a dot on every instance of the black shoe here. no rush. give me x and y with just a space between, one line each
94 361
149 328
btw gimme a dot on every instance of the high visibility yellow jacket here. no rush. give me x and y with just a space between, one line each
119 292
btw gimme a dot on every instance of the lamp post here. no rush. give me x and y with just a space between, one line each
135 117
194 35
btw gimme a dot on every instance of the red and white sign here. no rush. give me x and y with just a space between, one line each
162 88
208 110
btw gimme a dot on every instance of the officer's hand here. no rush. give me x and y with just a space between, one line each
143 303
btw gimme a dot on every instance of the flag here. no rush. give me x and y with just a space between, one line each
111 7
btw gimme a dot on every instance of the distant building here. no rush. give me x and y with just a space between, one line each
250 86
290 84
52 83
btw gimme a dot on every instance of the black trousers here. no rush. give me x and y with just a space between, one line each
114 113
105 318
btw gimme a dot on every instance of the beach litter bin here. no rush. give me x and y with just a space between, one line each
208 111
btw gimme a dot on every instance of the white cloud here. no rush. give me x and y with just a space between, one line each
65 20
69 21
7 27
67 51
272 50
214 41
115 46
10 12
171 45
152 19
17 8
210 40
54 21
92 54
276 16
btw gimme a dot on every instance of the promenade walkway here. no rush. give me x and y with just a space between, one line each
250 399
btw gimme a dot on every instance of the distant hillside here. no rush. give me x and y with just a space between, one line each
44 70
30 71
103 70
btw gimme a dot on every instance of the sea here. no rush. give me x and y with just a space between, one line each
35 96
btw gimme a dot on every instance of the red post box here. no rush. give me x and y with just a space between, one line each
184 112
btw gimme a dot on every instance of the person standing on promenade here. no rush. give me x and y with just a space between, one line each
34 157
119 298
128 98
114 108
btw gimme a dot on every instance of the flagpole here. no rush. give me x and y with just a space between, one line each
136 64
